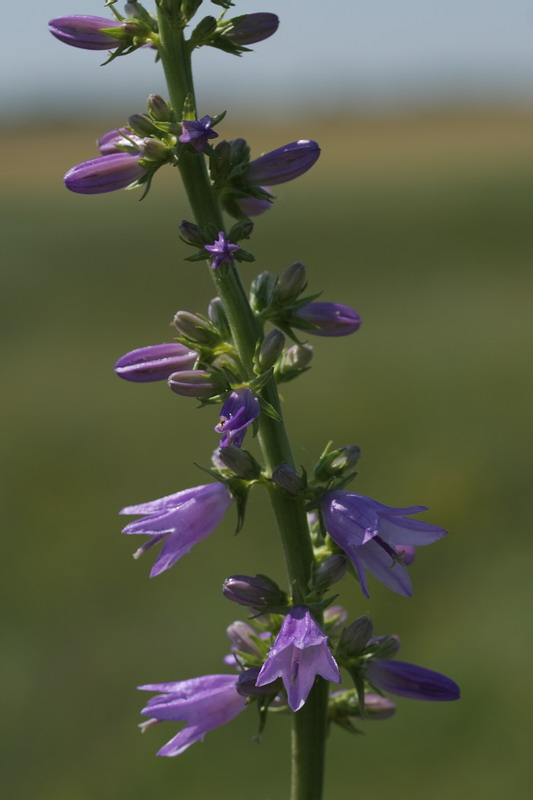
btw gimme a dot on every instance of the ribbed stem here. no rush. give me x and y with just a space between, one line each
310 722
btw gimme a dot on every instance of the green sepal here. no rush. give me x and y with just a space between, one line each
199 256
122 50
218 118
257 383
243 255
269 410
359 683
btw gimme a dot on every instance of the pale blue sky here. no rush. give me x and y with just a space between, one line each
360 53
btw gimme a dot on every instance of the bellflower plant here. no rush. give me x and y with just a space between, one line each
294 641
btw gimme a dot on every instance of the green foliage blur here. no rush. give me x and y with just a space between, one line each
423 224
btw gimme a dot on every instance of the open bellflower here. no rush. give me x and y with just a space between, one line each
155 363
238 412
104 174
197 133
204 703
369 533
298 655
284 164
84 31
179 521
221 251
408 680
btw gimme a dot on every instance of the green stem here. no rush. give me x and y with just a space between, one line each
309 730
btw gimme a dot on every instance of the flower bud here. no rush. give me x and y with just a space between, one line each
330 571
283 164
204 30
384 646
155 150
199 383
259 592
108 143
287 478
84 31
354 638
337 463
192 233
326 319
253 206
142 125
252 28
155 363
295 359
104 174
241 636
247 688
239 461
194 328
335 617
261 290
270 349
217 314
343 705
159 108
291 283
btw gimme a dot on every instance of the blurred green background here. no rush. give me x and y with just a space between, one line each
421 222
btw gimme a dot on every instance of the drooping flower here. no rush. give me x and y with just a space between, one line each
298 655
284 164
408 680
179 521
155 363
252 28
104 174
197 133
327 319
369 532
222 251
238 412
79 30
204 703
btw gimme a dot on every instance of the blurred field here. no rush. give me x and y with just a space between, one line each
422 224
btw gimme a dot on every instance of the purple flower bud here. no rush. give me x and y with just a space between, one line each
254 206
270 349
243 638
107 144
222 251
84 31
192 233
252 28
104 174
258 592
326 319
239 461
408 680
298 655
246 684
291 283
197 133
283 164
199 383
238 412
346 705
287 478
355 637
155 363
330 571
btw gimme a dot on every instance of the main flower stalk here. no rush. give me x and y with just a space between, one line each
309 727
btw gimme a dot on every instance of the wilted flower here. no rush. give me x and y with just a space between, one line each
298 655
284 164
238 412
197 133
155 363
326 319
84 31
369 532
222 251
179 521
252 28
104 174
205 703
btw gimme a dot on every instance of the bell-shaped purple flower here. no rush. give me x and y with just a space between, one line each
84 31
104 174
253 28
238 412
298 655
284 164
327 319
155 363
408 680
179 521
107 144
369 532
204 703
221 251
197 133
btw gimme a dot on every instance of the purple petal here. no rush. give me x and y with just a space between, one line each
380 564
398 530
104 174
408 680
84 31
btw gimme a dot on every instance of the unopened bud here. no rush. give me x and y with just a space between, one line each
240 462
384 646
252 28
261 290
155 150
217 314
258 592
335 617
247 688
330 571
159 108
354 638
142 125
195 328
291 283
242 636
270 349
295 359
199 383
336 463
204 30
287 478
192 233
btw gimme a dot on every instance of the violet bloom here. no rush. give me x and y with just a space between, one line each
328 319
107 144
408 680
284 164
179 521
369 533
84 31
253 28
204 703
254 206
298 655
155 363
197 133
238 412
104 174
222 251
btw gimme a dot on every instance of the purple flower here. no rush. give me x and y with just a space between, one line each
197 133
283 164
222 251
204 703
254 206
298 655
327 319
253 28
369 533
179 521
107 144
238 412
155 363
104 174
84 31
408 680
